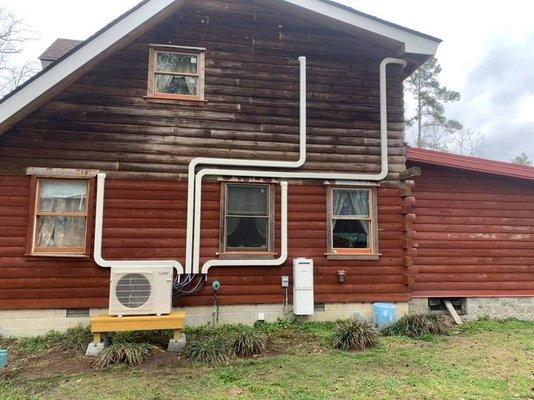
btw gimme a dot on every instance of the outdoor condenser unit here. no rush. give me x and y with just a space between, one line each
303 298
140 291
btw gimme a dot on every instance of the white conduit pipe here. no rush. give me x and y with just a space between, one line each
294 175
283 239
243 163
99 217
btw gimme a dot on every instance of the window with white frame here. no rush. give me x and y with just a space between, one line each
352 221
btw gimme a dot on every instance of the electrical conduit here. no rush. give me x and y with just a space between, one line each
99 217
195 267
191 203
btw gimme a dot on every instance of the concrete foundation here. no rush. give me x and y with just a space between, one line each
500 307
19 323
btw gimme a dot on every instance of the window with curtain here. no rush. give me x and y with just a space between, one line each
247 218
60 216
352 221
176 73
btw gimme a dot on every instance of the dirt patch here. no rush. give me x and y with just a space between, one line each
46 365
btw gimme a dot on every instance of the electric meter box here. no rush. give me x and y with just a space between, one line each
303 295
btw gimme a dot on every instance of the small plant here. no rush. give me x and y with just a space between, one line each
209 350
417 326
354 334
74 338
125 353
248 343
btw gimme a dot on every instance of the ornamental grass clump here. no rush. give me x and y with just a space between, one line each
248 343
354 334
125 353
417 326
208 350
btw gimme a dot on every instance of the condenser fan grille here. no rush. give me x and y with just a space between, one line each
133 290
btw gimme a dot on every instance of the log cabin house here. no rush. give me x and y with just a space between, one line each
232 137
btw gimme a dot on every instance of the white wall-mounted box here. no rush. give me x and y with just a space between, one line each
303 294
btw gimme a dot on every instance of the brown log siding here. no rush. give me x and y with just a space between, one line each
104 121
474 235
146 219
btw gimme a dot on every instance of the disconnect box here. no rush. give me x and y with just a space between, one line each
303 296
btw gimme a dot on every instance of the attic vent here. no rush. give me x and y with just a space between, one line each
133 290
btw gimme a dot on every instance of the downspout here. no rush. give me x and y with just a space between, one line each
293 175
97 255
243 163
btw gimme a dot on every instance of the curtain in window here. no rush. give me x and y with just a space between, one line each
60 231
352 203
57 196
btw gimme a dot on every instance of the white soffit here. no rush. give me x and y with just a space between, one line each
416 43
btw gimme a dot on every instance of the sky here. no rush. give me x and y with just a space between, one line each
487 54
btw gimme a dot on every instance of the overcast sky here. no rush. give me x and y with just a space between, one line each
487 53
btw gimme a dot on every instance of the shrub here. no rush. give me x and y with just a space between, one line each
209 350
125 353
416 326
248 343
354 334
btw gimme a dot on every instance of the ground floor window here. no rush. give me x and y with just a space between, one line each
247 221
352 226
59 216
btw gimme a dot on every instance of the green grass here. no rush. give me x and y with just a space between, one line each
483 360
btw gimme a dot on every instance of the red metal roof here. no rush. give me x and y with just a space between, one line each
469 163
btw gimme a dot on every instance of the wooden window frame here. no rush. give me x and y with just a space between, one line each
33 213
198 52
370 253
244 253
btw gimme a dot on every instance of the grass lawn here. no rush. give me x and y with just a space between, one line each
482 360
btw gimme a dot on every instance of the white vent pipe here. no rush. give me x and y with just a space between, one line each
292 175
97 255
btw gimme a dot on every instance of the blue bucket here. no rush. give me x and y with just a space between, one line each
385 314
3 358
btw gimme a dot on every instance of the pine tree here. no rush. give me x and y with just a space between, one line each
430 96
522 160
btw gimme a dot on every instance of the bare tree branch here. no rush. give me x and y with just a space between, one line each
13 35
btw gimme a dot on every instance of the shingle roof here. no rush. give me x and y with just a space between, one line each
58 49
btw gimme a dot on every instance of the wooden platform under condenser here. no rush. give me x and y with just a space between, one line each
104 324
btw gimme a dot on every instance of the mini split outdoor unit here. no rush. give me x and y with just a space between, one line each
140 291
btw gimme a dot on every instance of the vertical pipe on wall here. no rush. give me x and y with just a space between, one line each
244 163
195 267
99 225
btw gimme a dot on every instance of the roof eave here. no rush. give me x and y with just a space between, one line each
472 164
414 42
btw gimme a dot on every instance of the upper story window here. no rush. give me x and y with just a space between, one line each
176 73
352 223
248 219
59 216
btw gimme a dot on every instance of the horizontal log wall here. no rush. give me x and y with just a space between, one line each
146 219
103 120
474 235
